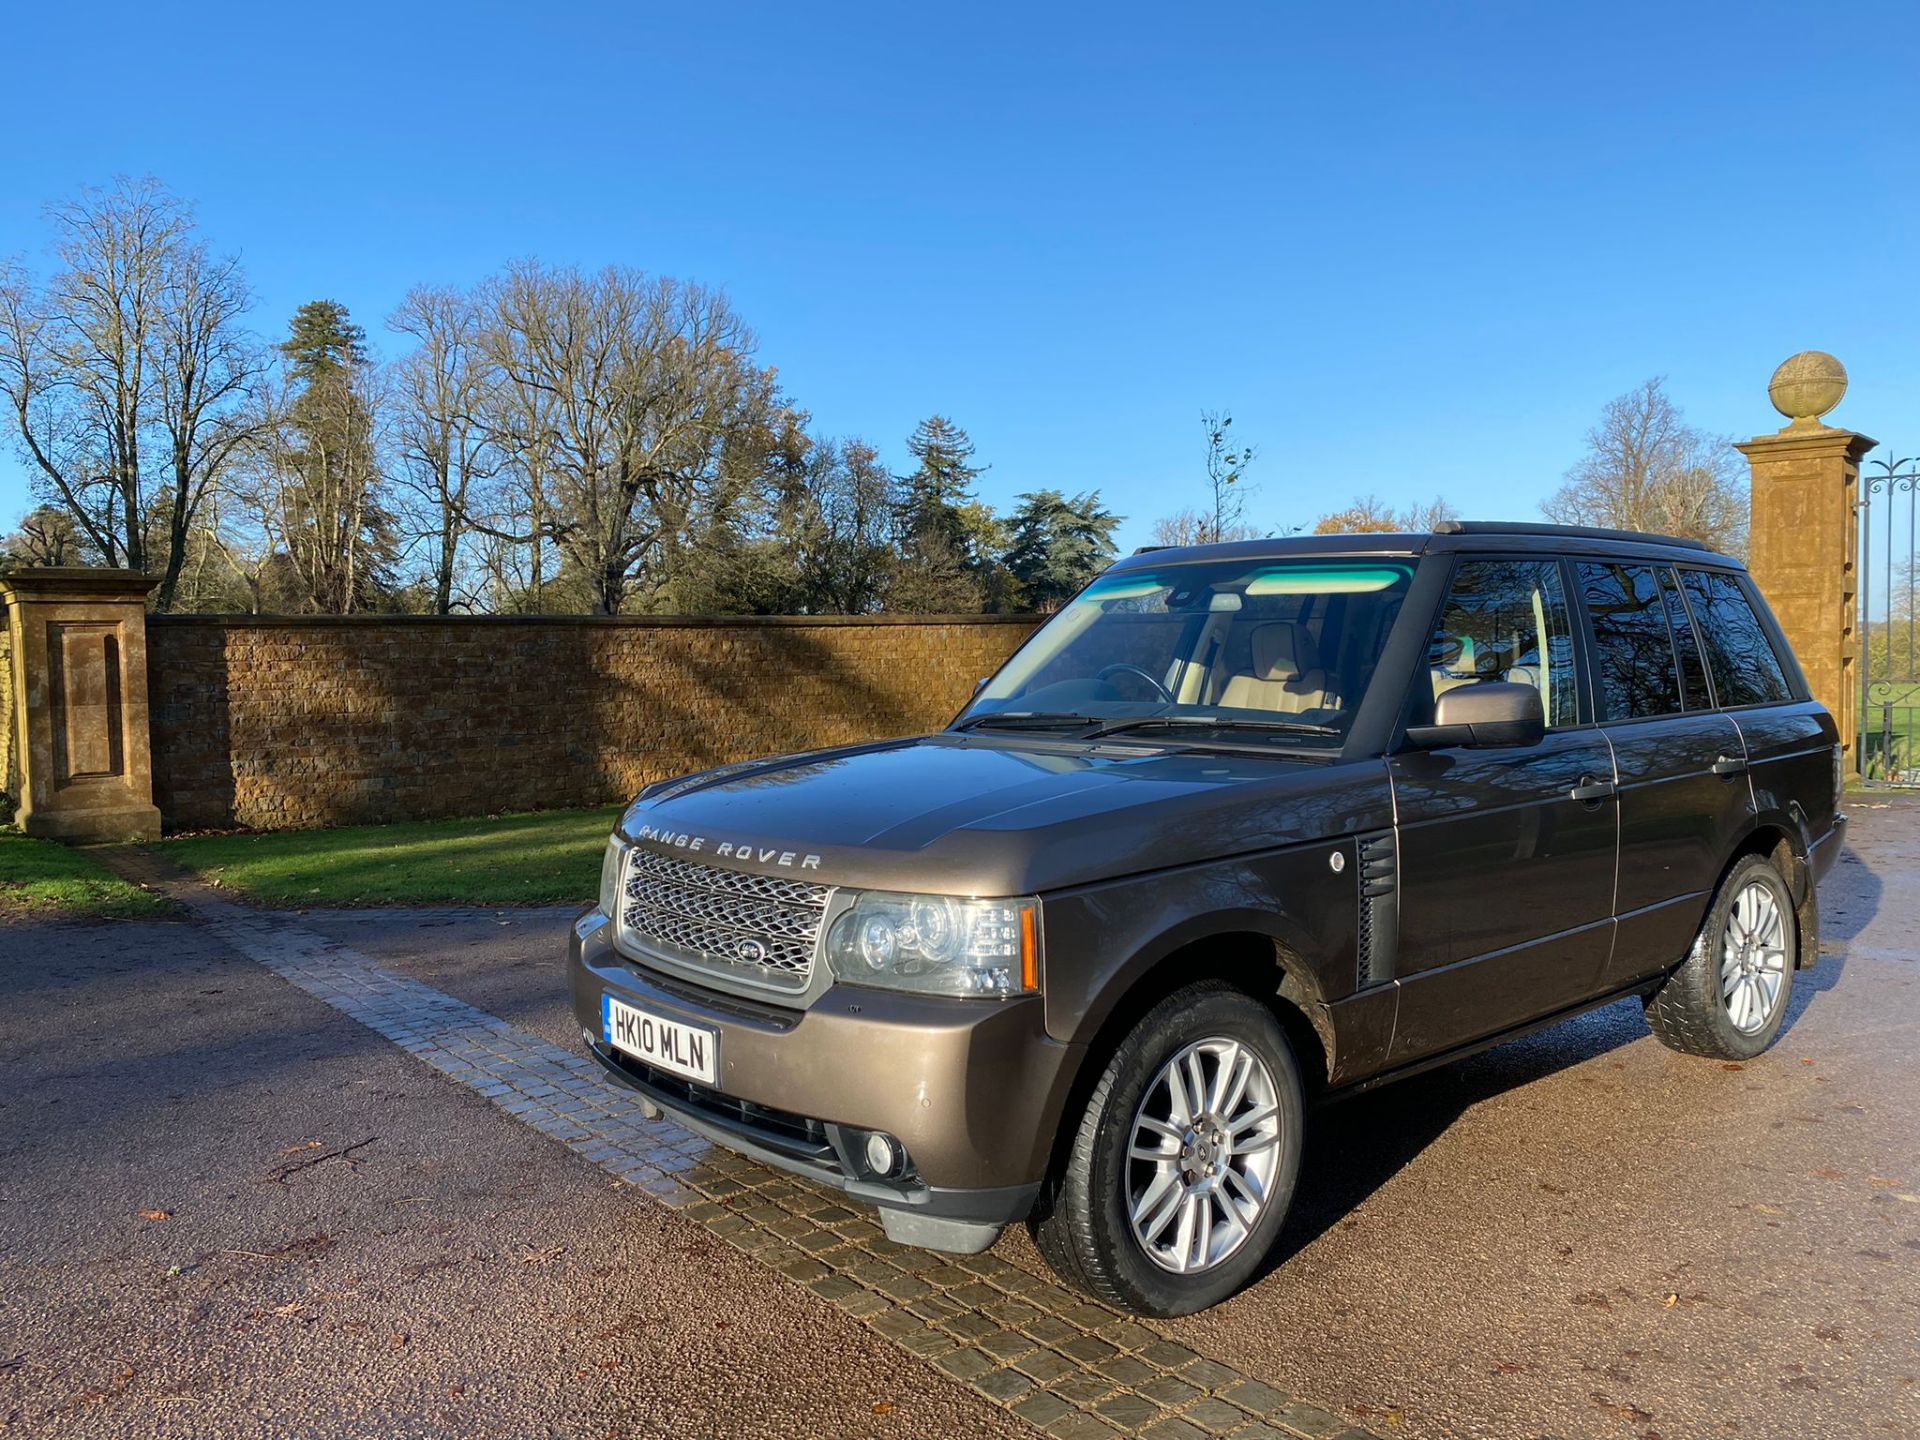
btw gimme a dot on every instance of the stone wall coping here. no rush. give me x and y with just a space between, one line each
72 583
618 622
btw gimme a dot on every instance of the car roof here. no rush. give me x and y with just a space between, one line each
1449 537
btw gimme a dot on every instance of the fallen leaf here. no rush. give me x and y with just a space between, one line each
156 1214
1671 1301
883 1407
1769 1209
398 1339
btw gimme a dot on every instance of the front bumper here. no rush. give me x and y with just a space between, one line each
973 1090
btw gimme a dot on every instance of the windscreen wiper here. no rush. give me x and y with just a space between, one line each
1213 722
1023 720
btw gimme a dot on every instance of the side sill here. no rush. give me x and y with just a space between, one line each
1488 1042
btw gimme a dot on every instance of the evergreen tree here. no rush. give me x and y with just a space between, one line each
1059 544
338 532
322 343
942 484
945 567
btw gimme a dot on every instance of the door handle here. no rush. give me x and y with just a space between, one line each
1591 791
1728 766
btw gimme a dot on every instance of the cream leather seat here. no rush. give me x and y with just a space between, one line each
1459 669
1286 673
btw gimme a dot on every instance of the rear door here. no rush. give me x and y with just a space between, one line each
1506 856
1685 799
1790 738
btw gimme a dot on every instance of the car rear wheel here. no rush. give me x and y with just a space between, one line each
1182 1164
1728 999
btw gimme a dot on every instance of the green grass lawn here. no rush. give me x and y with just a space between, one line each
43 879
553 856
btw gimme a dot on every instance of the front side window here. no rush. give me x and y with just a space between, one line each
1504 620
1740 656
1633 648
1284 647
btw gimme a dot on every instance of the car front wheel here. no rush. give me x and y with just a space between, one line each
1181 1168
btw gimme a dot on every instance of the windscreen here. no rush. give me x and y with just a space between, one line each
1285 646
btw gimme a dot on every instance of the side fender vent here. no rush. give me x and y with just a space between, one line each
1379 908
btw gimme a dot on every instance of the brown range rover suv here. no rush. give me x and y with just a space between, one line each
1240 827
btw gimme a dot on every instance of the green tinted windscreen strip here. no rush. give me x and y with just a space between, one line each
1327 580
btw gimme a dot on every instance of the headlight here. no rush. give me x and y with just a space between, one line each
937 945
610 876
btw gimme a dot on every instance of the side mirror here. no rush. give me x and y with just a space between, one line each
1492 712
980 684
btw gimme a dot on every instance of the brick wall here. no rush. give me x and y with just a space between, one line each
282 723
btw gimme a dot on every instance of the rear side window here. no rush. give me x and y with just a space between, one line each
1633 649
1740 656
1686 645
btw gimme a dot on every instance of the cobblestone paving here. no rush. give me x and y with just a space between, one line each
1073 1369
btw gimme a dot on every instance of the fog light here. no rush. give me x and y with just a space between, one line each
883 1155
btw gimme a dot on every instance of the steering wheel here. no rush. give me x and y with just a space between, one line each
1121 667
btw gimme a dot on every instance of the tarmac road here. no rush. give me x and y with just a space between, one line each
352 1246
1579 1234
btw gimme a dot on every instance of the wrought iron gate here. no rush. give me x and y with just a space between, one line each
1889 738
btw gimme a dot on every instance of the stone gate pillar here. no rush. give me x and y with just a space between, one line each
79 653
1805 533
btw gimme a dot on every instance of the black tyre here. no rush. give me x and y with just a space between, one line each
1180 1168
1728 1000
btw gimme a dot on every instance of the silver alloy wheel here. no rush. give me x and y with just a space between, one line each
1753 957
1202 1155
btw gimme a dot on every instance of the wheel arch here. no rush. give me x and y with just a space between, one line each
1253 960
1779 839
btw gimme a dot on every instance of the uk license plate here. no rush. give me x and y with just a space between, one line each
689 1051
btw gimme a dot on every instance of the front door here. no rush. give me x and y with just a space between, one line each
1506 855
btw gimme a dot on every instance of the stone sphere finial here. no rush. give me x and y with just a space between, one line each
1807 386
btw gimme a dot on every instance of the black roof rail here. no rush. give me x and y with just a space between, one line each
1584 532
1149 549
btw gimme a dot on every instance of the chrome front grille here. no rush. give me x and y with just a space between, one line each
759 929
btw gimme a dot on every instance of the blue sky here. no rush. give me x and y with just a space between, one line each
1413 248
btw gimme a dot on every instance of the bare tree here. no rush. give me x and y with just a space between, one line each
1226 470
126 372
1224 515
439 391
1646 469
851 492
624 407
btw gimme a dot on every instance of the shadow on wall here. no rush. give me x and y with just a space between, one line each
290 723
189 725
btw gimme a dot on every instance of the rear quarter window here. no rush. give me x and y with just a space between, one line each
1745 667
